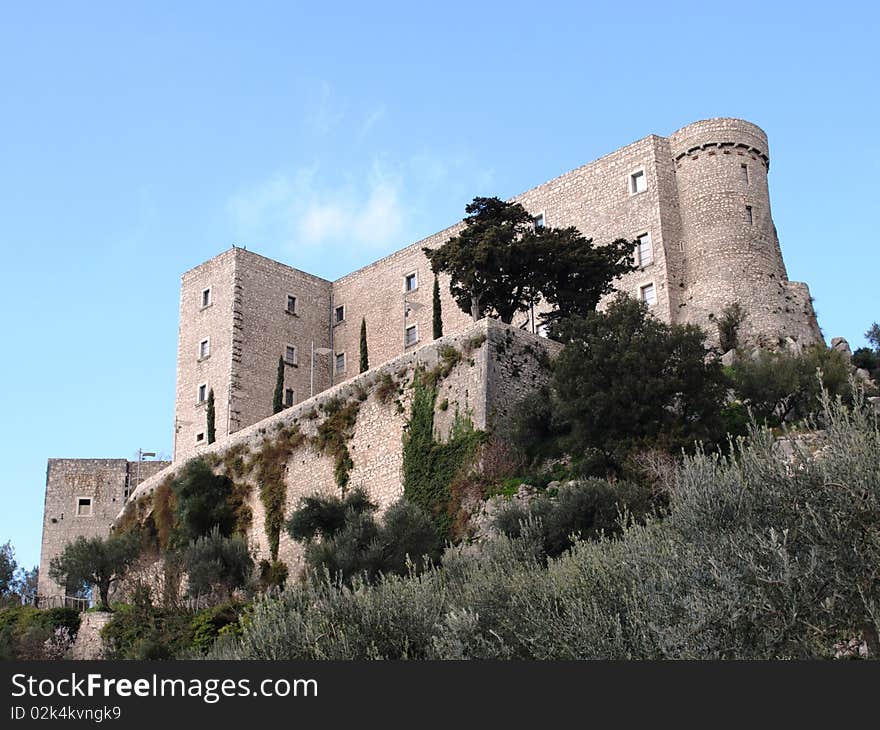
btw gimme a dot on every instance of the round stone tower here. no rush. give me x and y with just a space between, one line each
729 251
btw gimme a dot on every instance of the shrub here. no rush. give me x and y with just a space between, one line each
584 510
30 633
217 565
203 501
783 386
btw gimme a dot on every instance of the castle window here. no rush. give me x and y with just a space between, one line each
288 397
539 221
202 393
204 349
411 335
339 314
744 173
84 506
290 354
749 218
339 363
648 294
638 183
200 437
644 250
411 282
206 297
291 304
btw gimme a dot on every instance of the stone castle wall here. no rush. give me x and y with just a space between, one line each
707 252
105 483
498 366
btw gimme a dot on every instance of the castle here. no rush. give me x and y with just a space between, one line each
695 203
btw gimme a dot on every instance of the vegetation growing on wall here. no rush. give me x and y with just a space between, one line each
271 463
333 435
429 466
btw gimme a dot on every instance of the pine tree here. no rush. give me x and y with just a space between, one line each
211 429
278 400
438 314
365 360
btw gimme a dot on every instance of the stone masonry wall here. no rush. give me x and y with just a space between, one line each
105 483
704 256
498 364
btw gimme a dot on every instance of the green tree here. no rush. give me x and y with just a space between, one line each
625 379
203 501
873 336
501 264
217 564
436 307
95 561
491 263
783 386
278 397
342 536
365 359
573 274
8 567
212 434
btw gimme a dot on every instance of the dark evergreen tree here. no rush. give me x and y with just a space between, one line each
365 360
278 399
437 311
210 416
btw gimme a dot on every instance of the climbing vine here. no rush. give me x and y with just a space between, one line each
270 462
333 435
429 466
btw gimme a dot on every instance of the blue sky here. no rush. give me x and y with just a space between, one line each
139 139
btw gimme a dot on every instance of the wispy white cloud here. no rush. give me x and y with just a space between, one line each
306 208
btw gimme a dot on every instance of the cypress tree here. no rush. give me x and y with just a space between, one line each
365 361
278 400
211 431
438 315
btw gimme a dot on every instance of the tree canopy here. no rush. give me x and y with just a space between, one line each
95 561
502 263
625 378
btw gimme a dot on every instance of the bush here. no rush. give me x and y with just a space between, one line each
30 633
759 557
784 386
343 539
203 502
586 510
217 565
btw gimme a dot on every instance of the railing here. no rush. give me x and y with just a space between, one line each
56 601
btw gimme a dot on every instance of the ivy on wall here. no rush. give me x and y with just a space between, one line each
430 466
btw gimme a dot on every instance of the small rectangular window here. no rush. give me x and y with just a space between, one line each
749 214
644 250
200 437
539 221
339 314
206 297
84 506
291 304
648 295
288 397
744 173
204 349
340 362
290 354
203 393
411 335
638 183
411 282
